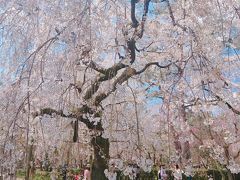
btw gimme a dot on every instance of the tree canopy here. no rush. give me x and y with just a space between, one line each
132 80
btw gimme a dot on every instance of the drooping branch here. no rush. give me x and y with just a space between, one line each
47 44
175 23
171 13
75 131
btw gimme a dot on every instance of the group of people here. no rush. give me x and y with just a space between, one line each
86 174
177 173
64 174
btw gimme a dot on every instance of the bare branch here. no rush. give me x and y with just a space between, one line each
225 102
153 63
133 17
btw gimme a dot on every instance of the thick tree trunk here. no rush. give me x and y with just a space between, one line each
29 170
229 175
101 154
222 174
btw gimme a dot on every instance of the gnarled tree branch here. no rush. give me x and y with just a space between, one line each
107 74
153 63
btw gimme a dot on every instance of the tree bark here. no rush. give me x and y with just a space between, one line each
229 175
101 155
29 165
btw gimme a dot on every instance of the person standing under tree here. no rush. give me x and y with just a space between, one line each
177 173
162 175
64 172
76 177
188 172
87 173
210 177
